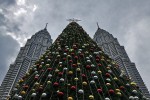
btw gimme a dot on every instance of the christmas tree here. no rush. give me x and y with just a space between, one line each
75 68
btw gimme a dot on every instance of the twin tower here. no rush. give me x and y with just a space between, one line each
37 45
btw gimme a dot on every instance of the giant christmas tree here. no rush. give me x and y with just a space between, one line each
75 68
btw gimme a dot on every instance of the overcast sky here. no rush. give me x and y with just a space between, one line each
127 20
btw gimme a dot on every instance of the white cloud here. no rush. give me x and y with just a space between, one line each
34 8
21 2
21 39
20 12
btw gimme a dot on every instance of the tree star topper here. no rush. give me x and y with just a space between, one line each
73 20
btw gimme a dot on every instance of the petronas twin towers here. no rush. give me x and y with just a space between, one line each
38 44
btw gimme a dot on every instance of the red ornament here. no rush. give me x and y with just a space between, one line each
91 50
88 66
99 65
75 48
64 59
70 61
122 88
36 78
81 54
99 90
49 69
25 87
97 60
72 54
107 75
40 89
97 57
83 75
111 91
76 57
73 87
56 84
66 50
60 74
60 94
74 65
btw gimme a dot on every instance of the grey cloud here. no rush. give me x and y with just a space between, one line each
5 3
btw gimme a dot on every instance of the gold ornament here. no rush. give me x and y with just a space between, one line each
70 72
108 84
84 83
21 80
48 82
47 65
91 97
33 90
70 98
78 69
56 70
133 83
99 72
119 93
76 79
23 92
117 90
115 78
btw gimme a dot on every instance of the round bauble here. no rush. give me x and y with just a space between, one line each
61 80
70 72
78 69
48 82
91 97
23 92
70 98
119 93
131 98
81 91
134 91
92 82
115 78
73 87
43 95
84 83
111 91
108 80
76 79
19 97
56 84
107 98
56 70
99 72
93 72
99 90
33 94
65 69
95 77
60 94
136 98
49 75
16 96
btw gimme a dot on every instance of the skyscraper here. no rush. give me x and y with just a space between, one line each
111 46
28 54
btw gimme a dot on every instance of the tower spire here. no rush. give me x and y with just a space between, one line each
98 25
46 26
